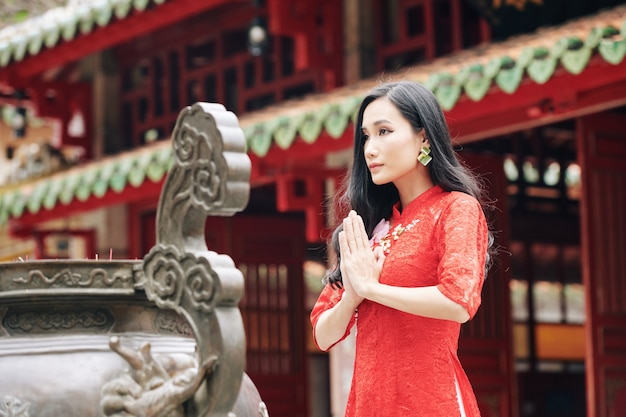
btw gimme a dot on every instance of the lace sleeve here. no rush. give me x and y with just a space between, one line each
327 299
462 237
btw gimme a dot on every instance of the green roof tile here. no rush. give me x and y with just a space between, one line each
4 207
45 31
68 27
311 126
103 13
35 199
477 83
542 67
119 177
140 4
494 66
156 171
448 91
100 187
35 41
336 121
575 61
559 48
18 204
121 8
259 138
51 32
84 189
18 45
4 215
54 190
510 78
164 156
137 173
287 130
70 184
612 51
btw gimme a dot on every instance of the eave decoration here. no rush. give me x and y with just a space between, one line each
62 24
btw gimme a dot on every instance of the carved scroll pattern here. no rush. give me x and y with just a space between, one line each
41 322
210 176
173 274
167 321
68 278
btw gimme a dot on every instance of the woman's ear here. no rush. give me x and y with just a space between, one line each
425 141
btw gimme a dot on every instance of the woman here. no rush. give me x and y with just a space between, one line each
412 256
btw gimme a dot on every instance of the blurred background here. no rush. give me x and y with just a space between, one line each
534 93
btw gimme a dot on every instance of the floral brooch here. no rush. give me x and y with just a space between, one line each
382 236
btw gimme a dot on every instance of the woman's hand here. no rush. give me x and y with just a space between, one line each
349 295
360 266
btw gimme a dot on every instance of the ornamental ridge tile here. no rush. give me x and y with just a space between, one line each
47 29
81 182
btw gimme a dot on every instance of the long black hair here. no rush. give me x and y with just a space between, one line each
373 202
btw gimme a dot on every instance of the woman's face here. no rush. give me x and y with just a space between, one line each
391 145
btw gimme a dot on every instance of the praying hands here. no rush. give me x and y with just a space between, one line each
360 265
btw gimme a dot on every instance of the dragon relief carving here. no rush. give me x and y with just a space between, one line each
13 407
154 386
43 321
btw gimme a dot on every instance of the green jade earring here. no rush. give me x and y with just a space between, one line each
424 156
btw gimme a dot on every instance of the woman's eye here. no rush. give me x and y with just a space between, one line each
383 131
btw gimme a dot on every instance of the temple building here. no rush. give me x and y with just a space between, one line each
534 92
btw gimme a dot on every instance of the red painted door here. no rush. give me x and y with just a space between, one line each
270 251
602 157
485 347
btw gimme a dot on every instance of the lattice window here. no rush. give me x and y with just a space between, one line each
412 31
207 59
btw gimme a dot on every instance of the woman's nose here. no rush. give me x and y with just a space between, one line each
370 150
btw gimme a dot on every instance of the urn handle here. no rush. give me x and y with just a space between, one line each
209 177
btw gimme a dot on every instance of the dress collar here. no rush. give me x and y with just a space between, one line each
414 205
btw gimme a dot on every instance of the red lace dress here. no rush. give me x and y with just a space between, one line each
407 365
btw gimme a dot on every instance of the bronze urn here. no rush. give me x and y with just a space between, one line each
160 336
